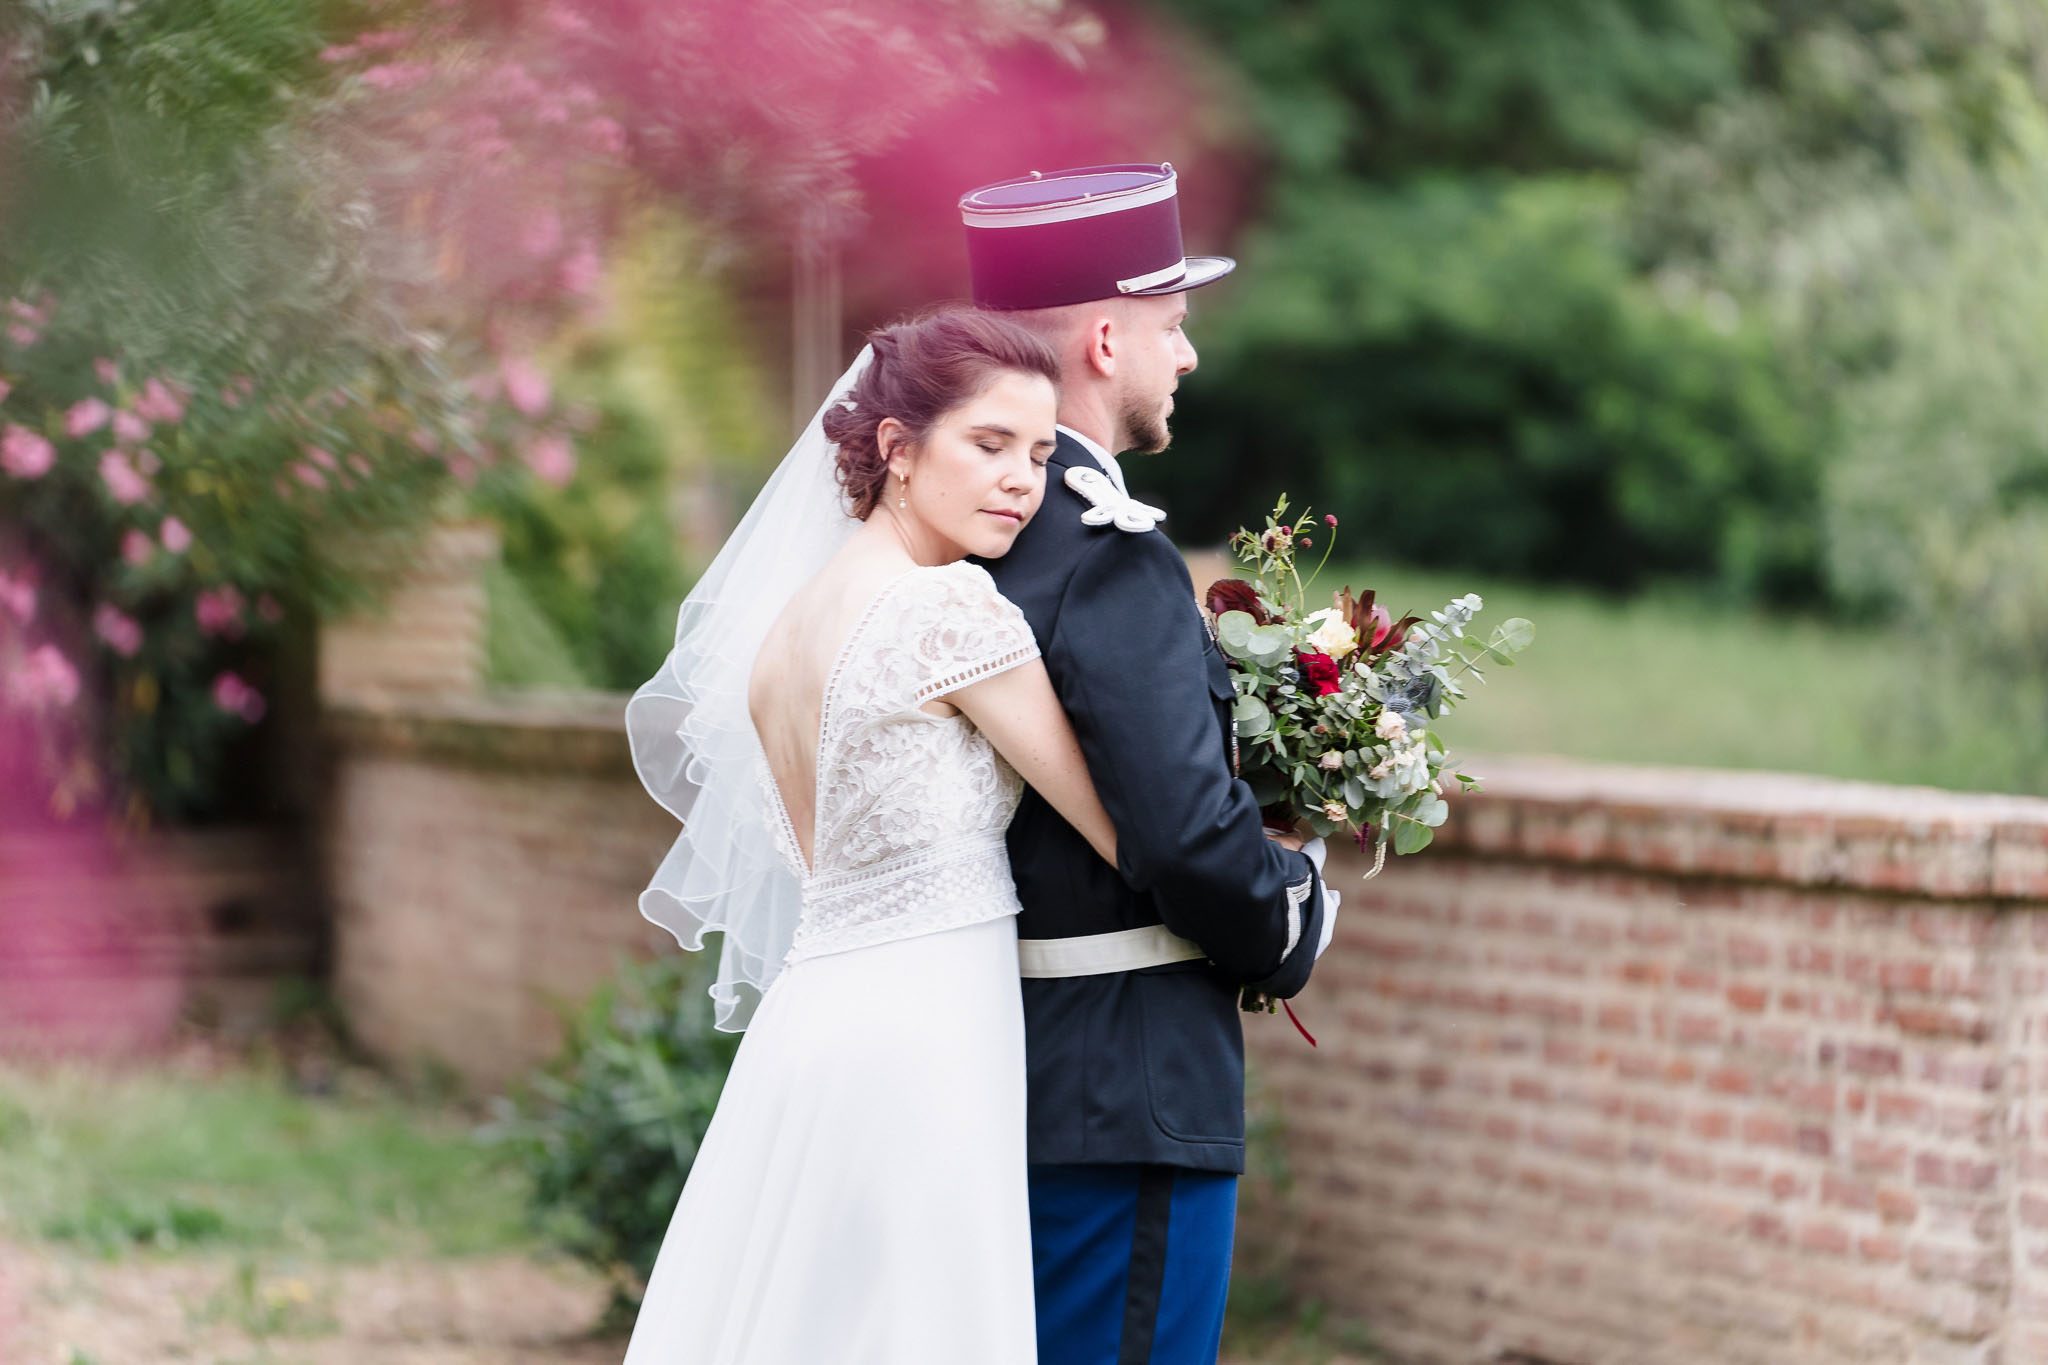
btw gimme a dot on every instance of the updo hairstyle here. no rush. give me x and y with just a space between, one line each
922 370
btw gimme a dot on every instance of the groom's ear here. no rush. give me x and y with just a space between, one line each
1101 336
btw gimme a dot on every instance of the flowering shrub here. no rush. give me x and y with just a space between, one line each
296 324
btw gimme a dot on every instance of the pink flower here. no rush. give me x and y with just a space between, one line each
159 402
565 21
360 465
395 76
85 417
580 273
5 389
148 463
129 429
121 632
176 538
136 548
21 334
124 485
236 391
605 136
108 372
525 386
339 52
320 457
21 310
309 476
552 459
541 233
219 612
24 453
45 680
18 598
237 698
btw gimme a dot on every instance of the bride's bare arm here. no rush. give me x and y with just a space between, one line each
1023 718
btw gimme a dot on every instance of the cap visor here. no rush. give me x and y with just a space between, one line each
1201 270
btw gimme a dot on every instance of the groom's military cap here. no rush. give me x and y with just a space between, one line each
1095 232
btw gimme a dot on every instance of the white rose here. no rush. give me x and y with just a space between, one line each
1335 810
1390 727
1334 636
1330 761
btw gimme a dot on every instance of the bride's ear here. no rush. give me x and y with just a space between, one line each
892 438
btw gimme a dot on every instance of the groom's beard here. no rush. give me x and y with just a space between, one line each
1145 429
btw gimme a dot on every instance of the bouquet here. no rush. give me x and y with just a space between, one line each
1336 708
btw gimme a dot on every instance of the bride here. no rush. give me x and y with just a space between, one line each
842 728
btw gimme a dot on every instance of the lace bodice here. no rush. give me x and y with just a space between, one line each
911 806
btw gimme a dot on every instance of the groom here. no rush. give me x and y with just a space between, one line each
1132 974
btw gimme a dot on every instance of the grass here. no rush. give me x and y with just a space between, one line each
1674 679
112 1161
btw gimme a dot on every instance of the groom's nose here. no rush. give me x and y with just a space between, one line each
1184 355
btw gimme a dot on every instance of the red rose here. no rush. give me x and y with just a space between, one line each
1234 594
1320 672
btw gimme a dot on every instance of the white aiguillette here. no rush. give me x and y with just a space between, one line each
1107 505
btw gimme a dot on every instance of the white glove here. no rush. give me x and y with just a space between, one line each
1317 853
1331 900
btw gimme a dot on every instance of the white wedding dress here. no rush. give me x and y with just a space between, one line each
860 1196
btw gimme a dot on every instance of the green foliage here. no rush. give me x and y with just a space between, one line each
1380 89
1470 369
610 1128
1441 322
670 396
1938 506
1873 196
597 559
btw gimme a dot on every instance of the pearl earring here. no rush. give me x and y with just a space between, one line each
901 500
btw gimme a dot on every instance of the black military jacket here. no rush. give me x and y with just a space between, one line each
1144 1066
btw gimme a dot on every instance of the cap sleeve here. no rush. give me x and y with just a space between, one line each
964 630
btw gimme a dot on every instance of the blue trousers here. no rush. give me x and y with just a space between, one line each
1131 1263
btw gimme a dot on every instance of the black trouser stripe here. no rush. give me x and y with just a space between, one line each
1148 1265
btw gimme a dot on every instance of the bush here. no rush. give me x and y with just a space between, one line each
609 1129
1472 370
1938 501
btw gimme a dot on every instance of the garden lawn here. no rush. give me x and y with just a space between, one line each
108 1160
196 1211
1672 679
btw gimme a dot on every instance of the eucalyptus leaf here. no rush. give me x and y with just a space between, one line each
1252 717
1410 837
1233 632
1514 635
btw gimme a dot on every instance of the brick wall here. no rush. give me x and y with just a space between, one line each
108 942
1635 1067
484 859
1644 1066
